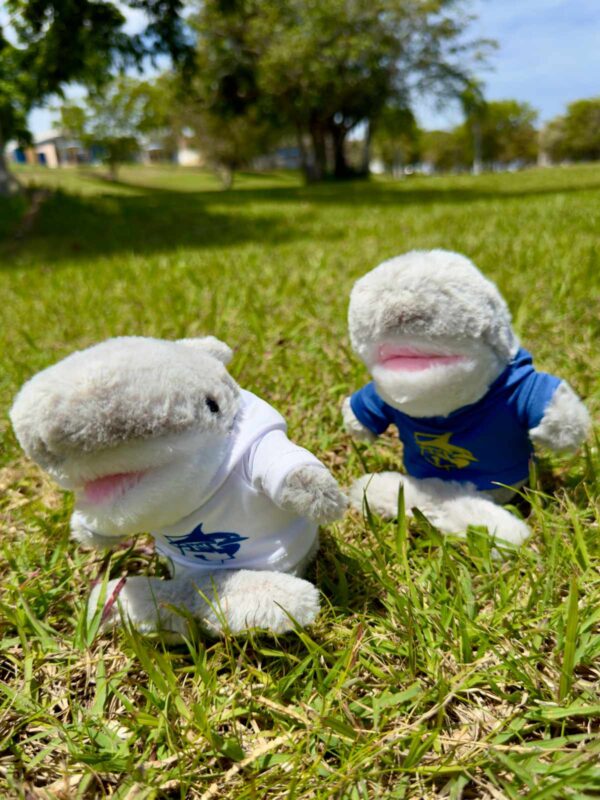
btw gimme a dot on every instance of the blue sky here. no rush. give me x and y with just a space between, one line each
548 55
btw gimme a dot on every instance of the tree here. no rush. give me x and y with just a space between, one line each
59 41
553 140
474 108
396 139
14 92
446 151
509 133
322 67
229 143
116 117
576 135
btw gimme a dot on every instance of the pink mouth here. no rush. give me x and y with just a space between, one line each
412 360
109 486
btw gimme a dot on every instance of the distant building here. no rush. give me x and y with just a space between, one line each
187 154
281 158
54 149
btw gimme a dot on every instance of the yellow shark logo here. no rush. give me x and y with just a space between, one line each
437 450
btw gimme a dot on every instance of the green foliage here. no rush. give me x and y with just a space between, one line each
116 117
434 670
320 68
508 133
61 41
15 92
446 151
396 139
576 135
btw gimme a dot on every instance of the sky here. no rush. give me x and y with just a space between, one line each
548 55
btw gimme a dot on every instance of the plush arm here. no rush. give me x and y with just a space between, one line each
82 533
295 479
311 491
565 424
353 426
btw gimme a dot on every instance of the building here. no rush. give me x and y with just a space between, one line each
52 149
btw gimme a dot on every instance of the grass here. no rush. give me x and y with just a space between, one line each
433 671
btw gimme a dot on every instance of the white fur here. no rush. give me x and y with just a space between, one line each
82 532
228 601
167 493
353 426
142 405
441 389
566 422
448 505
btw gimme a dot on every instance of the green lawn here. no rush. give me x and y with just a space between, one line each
433 671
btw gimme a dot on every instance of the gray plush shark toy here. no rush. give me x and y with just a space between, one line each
156 436
449 373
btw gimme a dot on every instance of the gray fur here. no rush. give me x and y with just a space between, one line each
124 389
313 492
423 293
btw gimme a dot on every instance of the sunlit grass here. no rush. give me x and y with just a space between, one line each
434 670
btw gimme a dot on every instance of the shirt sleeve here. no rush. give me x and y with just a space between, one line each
533 397
370 409
272 458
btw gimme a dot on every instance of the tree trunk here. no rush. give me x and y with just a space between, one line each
8 182
317 135
226 174
113 171
477 162
305 165
365 167
340 166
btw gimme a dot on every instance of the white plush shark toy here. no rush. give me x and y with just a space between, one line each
153 435
448 372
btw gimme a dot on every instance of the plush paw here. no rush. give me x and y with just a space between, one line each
312 492
566 422
244 599
452 507
147 604
83 534
352 426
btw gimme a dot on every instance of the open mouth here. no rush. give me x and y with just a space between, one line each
109 487
411 359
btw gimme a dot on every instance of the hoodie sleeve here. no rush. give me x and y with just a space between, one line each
370 410
533 398
272 458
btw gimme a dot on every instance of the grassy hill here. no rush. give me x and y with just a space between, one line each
434 670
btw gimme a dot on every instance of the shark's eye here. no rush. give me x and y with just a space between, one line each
213 406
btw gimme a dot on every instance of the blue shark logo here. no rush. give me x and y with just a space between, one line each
219 546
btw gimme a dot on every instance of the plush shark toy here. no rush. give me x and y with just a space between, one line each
449 373
153 435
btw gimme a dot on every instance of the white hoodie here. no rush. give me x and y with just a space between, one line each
239 524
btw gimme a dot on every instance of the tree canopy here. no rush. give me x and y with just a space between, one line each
54 42
322 67
576 135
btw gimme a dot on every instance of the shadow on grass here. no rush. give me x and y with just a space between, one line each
151 221
417 190
133 218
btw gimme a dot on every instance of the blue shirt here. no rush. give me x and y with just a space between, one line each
486 443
